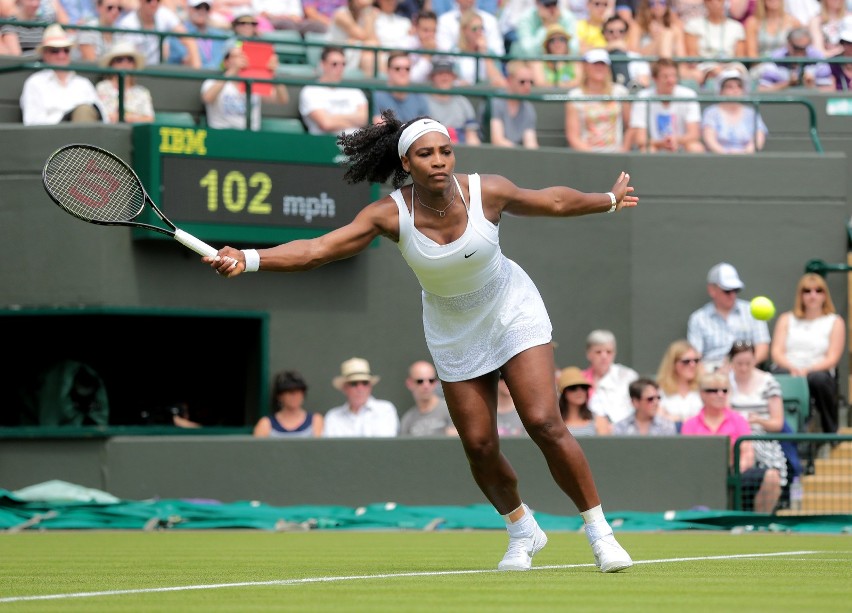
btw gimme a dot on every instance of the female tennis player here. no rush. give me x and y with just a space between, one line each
482 314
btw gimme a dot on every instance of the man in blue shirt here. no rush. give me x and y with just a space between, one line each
405 105
716 326
211 50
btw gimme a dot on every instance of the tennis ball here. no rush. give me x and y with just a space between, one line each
762 308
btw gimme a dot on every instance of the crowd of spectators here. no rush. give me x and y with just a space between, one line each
735 395
591 48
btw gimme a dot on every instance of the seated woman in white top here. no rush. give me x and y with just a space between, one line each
756 395
677 377
808 342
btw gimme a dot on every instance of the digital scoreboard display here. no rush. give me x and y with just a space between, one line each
247 187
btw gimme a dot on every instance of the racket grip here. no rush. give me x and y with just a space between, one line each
197 245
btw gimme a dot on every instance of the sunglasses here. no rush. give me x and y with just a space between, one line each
574 388
430 381
57 50
743 345
357 383
244 23
715 390
730 291
651 398
123 58
689 361
812 290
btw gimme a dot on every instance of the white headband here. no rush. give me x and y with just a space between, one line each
415 131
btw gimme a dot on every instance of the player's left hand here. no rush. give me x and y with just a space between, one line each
623 192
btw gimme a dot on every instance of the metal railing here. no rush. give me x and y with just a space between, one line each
461 54
826 480
488 94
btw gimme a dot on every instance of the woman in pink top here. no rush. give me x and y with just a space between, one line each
717 418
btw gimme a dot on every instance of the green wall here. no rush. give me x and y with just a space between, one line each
352 472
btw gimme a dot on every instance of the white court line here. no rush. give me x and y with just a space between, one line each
440 573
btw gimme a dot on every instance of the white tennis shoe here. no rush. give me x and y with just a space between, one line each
522 549
610 557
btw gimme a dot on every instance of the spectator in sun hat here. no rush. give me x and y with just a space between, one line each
714 328
556 72
210 50
288 417
361 415
54 95
138 106
532 28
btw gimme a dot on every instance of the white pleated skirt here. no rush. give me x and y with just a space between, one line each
473 334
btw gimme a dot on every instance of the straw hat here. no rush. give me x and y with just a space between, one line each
54 36
554 30
122 49
572 376
354 369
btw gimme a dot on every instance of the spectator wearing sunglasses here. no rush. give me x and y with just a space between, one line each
429 416
138 106
677 377
24 40
716 418
513 121
773 77
405 105
92 44
328 109
646 419
808 341
210 50
533 26
716 326
573 390
55 94
450 26
361 415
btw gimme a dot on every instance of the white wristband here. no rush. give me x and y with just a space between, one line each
613 201
252 260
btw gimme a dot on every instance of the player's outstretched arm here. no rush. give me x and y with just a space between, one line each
557 201
374 220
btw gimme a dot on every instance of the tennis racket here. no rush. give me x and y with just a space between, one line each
94 185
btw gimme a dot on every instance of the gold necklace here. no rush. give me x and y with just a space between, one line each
440 212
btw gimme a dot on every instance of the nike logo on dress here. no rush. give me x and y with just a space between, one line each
467 255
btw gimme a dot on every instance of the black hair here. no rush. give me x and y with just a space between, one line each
371 151
636 388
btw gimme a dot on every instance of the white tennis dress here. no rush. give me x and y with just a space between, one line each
479 308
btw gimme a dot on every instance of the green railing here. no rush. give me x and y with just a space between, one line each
813 442
488 94
378 49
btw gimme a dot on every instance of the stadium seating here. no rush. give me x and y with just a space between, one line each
797 400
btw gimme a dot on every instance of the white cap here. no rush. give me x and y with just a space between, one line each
846 30
725 276
593 56
194 3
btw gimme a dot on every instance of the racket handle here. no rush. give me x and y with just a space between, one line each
197 245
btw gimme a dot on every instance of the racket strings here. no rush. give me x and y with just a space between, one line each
94 186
